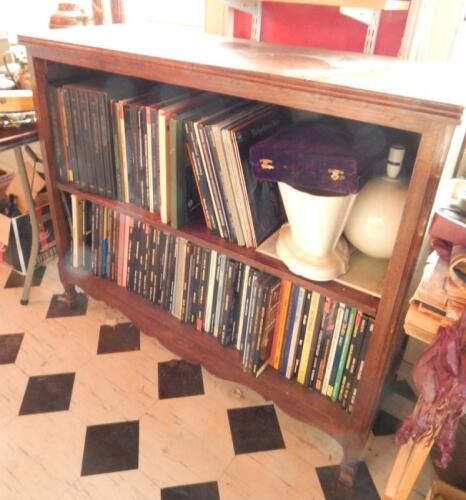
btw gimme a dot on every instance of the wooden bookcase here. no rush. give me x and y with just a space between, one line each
370 89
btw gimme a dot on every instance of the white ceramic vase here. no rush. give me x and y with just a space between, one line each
311 244
375 218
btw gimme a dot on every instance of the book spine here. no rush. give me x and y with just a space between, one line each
200 177
302 332
58 143
205 266
210 291
334 360
355 347
290 321
108 163
353 322
280 324
360 365
70 132
295 334
188 258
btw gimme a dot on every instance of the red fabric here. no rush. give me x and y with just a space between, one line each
440 377
322 27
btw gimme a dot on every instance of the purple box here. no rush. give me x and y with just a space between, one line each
311 157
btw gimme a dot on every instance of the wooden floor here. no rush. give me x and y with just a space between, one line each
91 413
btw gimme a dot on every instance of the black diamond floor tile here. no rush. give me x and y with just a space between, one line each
47 393
363 486
178 378
385 424
402 388
111 448
119 338
9 347
200 491
16 280
255 429
59 308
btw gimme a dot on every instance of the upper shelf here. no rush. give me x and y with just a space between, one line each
324 81
359 4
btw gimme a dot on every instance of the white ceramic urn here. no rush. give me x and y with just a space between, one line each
311 244
372 226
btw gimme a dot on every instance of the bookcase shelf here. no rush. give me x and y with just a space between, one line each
197 233
380 91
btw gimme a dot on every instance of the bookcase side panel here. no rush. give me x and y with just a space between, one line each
422 188
39 82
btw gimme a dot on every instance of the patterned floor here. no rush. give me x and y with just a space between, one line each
90 408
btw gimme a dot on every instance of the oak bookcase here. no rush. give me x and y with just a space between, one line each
376 90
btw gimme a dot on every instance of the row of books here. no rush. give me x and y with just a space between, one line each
169 150
316 340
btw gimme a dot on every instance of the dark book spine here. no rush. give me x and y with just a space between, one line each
289 330
184 297
189 293
326 310
144 153
155 158
71 136
97 166
360 365
107 147
195 285
153 264
147 261
113 127
130 254
58 142
89 150
200 176
134 136
204 280
245 310
350 368
226 319
80 140
263 297
247 362
338 350
269 322
237 307
169 272
328 332
215 188
163 270
302 332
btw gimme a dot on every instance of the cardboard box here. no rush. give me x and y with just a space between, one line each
16 236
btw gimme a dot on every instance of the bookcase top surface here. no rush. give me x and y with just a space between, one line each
427 87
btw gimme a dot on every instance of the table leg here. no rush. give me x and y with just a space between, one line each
34 224
408 464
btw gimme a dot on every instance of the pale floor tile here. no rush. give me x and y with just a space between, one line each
273 475
50 348
127 485
13 383
186 440
40 455
114 387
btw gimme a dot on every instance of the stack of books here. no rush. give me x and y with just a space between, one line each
168 150
320 342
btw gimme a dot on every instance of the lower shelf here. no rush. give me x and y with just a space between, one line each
224 362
